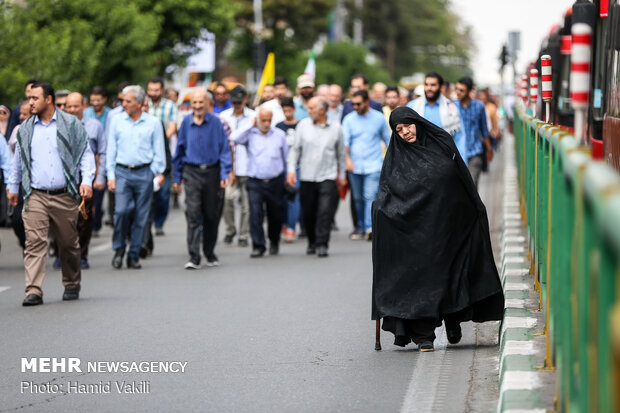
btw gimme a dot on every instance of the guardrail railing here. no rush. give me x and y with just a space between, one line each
571 205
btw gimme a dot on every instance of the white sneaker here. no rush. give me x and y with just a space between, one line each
191 266
213 262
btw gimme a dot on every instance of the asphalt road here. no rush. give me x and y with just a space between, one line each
290 333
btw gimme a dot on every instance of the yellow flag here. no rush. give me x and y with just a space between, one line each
269 73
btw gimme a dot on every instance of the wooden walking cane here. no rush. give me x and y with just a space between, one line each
83 209
378 336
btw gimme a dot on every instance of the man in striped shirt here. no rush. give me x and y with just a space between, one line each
166 111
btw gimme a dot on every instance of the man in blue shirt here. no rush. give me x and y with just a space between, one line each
98 109
267 151
221 98
135 156
359 81
203 162
440 110
473 115
363 132
52 152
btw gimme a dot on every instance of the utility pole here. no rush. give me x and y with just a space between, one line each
259 43
357 24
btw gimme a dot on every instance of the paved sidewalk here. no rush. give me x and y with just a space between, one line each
525 385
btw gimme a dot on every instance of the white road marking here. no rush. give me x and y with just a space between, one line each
103 247
426 383
4 289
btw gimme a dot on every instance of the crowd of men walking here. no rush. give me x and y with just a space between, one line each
288 161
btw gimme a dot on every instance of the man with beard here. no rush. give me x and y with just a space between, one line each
363 132
440 110
52 147
166 111
222 101
305 88
238 117
359 81
98 109
474 116
280 90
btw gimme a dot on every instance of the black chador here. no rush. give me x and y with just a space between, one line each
431 249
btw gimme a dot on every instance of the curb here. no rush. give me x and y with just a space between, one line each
524 386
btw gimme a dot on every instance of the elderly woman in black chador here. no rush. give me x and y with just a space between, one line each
431 249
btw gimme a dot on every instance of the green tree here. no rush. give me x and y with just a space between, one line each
416 36
290 26
339 61
76 44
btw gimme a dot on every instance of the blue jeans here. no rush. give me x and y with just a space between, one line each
134 192
365 188
293 209
162 203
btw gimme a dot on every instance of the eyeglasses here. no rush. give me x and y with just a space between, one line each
356 103
60 105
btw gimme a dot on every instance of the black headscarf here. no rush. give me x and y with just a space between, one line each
431 250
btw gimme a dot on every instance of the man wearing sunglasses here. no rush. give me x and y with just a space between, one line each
363 131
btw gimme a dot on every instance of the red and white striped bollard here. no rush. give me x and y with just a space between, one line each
580 76
524 89
533 90
547 88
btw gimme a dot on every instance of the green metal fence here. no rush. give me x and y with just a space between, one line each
571 205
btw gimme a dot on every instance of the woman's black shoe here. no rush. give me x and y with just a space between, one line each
426 346
401 341
454 336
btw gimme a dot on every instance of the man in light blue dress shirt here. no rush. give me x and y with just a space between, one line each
135 156
52 152
364 130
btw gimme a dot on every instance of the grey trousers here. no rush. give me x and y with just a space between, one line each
474 165
232 194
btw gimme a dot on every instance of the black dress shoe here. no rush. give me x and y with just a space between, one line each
71 294
133 263
256 253
274 249
322 251
311 250
32 299
228 239
117 261
144 252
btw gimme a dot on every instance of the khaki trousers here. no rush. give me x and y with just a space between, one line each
61 212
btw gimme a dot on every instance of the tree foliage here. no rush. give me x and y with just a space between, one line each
339 61
290 27
416 36
76 44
